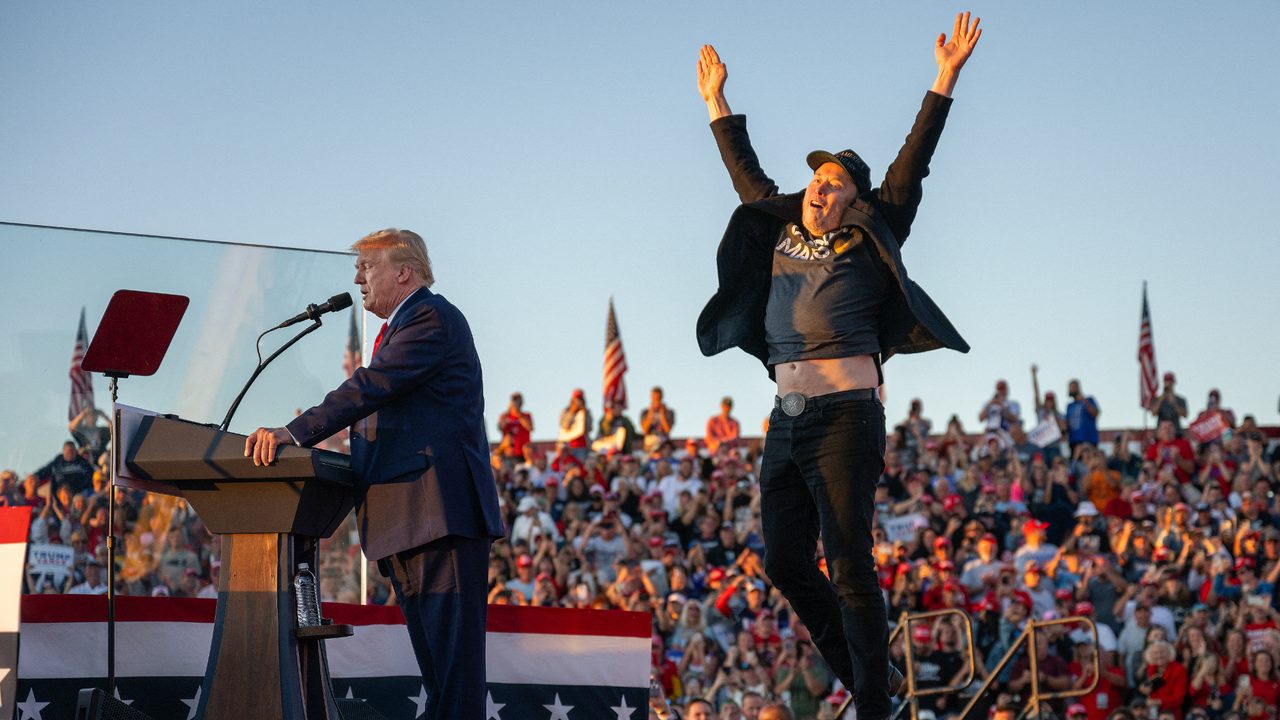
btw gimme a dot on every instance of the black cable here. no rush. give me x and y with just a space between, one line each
226 422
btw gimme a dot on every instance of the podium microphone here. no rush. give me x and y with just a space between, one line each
337 302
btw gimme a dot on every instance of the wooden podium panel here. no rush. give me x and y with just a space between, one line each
269 518
247 668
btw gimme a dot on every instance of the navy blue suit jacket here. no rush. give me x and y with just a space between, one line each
417 432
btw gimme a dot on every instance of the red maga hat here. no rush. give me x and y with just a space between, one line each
1084 608
1077 709
922 633
951 502
941 540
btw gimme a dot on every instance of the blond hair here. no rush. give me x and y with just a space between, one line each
1158 647
404 247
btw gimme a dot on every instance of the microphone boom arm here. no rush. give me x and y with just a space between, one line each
262 366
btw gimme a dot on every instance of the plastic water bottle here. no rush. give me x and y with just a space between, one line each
304 593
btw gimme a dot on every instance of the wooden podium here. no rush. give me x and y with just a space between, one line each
261 664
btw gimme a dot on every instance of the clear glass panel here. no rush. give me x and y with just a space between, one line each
236 292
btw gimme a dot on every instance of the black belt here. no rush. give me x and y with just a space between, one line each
793 403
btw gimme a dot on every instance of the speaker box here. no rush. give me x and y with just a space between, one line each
96 704
357 710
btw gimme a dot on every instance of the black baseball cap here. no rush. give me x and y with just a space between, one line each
847 159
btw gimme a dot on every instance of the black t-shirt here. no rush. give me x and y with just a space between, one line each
894 481
1166 410
1128 469
1094 543
76 473
825 297
937 668
721 556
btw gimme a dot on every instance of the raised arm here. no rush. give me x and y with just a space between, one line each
1035 389
731 132
899 194
711 76
952 55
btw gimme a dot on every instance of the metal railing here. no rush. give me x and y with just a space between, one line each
912 693
1028 636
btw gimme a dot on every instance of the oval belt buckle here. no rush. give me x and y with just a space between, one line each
793 404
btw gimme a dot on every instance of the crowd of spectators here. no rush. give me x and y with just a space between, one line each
162 546
1170 545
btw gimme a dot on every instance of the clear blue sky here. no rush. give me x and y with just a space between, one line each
556 154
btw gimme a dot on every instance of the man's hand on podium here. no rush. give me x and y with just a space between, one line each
262 443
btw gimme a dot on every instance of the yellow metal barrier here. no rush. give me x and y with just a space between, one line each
1028 636
904 622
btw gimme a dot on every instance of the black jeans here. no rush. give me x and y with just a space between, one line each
818 479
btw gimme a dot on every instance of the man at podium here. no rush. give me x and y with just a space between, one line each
426 504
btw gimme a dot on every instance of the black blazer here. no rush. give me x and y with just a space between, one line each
418 439
910 322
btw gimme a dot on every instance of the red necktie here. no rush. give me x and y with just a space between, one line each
378 340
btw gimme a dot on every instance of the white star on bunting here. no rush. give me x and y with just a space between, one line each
421 701
193 703
624 712
558 711
492 708
31 707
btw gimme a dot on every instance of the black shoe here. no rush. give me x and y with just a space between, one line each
896 682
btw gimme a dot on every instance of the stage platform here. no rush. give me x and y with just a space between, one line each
568 663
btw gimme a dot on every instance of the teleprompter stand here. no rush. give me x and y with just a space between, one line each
131 339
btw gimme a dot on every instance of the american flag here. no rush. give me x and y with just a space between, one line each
615 362
354 355
81 380
1146 356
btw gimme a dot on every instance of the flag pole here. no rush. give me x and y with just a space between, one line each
364 561
1145 411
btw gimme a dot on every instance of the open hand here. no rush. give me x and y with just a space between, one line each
952 55
711 73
